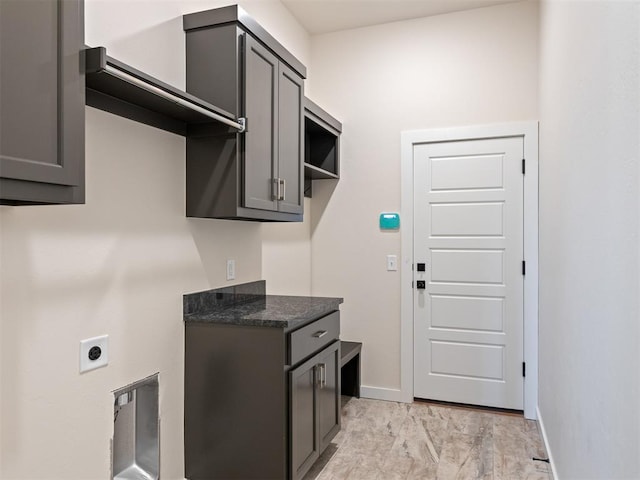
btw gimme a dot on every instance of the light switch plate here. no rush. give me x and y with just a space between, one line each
231 269
392 263
94 353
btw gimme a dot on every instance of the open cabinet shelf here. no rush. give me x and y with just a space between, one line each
321 145
316 173
120 89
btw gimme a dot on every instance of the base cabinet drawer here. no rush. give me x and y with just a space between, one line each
314 408
311 338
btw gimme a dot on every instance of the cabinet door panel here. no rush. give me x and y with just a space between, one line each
304 437
260 107
290 138
41 92
329 395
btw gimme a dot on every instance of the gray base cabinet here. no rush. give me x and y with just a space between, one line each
258 174
42 98
260 402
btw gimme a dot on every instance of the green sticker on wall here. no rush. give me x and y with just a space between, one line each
389 221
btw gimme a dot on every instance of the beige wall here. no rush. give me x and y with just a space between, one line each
286 256
589 237
118 266
473 67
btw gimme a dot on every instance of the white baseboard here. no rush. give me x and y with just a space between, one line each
546 445
379 393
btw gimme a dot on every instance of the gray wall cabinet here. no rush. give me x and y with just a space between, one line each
42 98
258 174
260 402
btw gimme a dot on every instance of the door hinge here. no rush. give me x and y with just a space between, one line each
523 168
524 267
524 369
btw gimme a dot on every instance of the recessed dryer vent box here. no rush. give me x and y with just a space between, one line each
136 439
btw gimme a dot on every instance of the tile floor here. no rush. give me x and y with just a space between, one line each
392 441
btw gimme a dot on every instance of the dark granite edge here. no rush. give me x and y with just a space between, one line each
202 319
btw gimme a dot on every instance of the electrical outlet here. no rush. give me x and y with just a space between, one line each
94 353
231 269
392 263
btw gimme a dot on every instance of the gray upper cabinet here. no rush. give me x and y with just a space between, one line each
234 63
42 98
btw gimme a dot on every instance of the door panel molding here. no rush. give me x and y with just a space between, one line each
529 132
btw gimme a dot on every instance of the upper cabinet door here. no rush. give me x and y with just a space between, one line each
290 138
261 111
41 101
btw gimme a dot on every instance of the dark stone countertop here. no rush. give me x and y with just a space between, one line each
247 305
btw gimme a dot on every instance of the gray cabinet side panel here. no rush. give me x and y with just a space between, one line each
290 139
260 149
213 66
212 176
235 403
42 100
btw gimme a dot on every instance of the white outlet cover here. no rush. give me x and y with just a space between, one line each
86 363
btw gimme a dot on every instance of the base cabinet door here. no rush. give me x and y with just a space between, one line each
329 395
314 408
305 447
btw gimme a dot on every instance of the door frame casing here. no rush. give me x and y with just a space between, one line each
529 132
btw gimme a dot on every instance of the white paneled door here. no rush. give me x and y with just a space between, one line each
468 250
